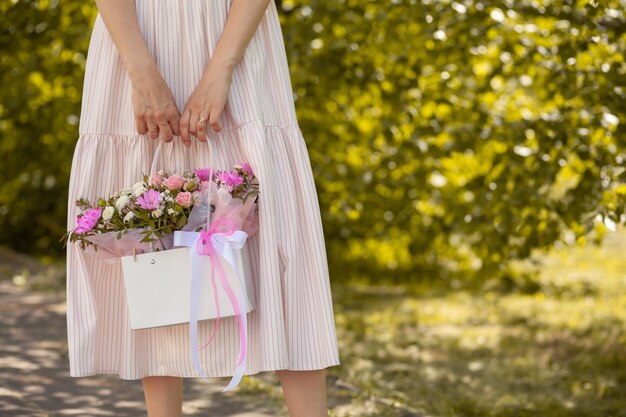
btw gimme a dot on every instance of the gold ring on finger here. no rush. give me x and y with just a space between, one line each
202 120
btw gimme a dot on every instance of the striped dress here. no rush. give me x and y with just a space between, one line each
293 325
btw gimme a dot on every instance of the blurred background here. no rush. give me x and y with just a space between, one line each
470 162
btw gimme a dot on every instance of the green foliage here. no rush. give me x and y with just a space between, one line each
447 138
42 65
452 136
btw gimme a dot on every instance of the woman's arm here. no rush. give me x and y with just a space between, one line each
120 18
243 21
153 102
209 97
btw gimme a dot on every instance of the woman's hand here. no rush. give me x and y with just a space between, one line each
154 106
207 101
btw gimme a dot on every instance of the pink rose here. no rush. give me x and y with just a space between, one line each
156 179
174 182
184 198
247 169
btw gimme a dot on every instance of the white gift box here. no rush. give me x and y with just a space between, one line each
158 286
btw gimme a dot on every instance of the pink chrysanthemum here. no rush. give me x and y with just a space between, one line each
230 178
149 200
88 220
204 174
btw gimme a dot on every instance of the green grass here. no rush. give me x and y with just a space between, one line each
560 351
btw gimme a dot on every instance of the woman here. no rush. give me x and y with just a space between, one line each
164 77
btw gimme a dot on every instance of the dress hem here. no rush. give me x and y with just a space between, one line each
188 375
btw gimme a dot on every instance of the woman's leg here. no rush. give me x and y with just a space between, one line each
305 392
164 396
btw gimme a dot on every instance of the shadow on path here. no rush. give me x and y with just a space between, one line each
34 370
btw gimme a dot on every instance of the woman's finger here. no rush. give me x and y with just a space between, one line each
170 118
167 134
140 122
153 129
164 117
140 114
201 127
184 126
214 120
193 123
174 122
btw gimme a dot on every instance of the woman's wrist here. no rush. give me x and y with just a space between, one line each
139 70
222 64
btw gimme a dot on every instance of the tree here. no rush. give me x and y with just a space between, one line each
446 137
455 136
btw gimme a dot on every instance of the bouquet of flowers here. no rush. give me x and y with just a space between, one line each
143 217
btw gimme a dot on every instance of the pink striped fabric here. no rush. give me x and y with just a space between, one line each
293 325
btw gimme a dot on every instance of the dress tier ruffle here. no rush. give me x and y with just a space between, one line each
293 325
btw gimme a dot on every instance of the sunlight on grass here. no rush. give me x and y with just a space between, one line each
559 351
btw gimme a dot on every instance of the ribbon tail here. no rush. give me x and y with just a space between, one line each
240 315
243 342
196 287
217 306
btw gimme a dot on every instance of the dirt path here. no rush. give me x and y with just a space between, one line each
34 371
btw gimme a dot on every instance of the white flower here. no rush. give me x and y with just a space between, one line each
171 211
126 191
107 213
139 188
157 212
130 215
122 202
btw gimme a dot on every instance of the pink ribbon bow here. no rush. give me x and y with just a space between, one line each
203 245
